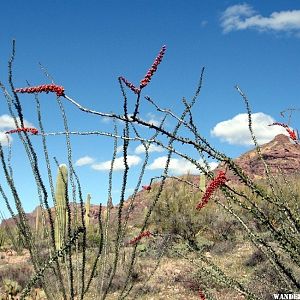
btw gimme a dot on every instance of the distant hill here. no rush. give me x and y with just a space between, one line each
280 152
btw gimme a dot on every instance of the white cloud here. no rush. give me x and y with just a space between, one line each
213 165
178 166
153 119
152 148
119 149
106 120
242 16
5 138
154 122
132 160
236 131
85 160
7 122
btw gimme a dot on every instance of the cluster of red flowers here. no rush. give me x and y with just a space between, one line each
130 85
139 237
153 68
216 183
59 90
146 187
148 75
201 295
291 133
31 130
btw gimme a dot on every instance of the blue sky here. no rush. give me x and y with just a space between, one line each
87 45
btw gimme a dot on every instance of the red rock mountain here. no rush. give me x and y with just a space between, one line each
280 153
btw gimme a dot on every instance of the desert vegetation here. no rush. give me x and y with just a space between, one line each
196 237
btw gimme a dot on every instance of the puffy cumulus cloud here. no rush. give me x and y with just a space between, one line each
5 139
236 131
178 166
153 122
152 148
243 16
132 160
105 120
153 119
7 122
85 160
213 165
119 149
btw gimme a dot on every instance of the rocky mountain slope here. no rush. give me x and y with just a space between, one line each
279 154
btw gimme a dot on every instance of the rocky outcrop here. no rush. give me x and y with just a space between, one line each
280 155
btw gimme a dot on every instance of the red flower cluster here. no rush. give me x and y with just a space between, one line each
130 85
139 237
216 183
146 187
31 130
59 90
153 68
201 295
148 75
291 133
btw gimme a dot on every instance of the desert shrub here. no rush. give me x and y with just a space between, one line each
19 274
225 229
266 281
222 247
3 237
256 258
146 289
175 212
205 244
121 275
11 288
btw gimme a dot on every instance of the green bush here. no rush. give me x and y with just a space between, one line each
175 212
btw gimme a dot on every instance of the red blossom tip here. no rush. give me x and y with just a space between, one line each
146 187
152 70
292 134
201 295
139 237
53 88
215 184
23 129
130 85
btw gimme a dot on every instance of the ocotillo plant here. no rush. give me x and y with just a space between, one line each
73 276
61 206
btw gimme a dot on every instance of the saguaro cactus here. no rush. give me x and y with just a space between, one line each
37 220
61 206
202 183
87 210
